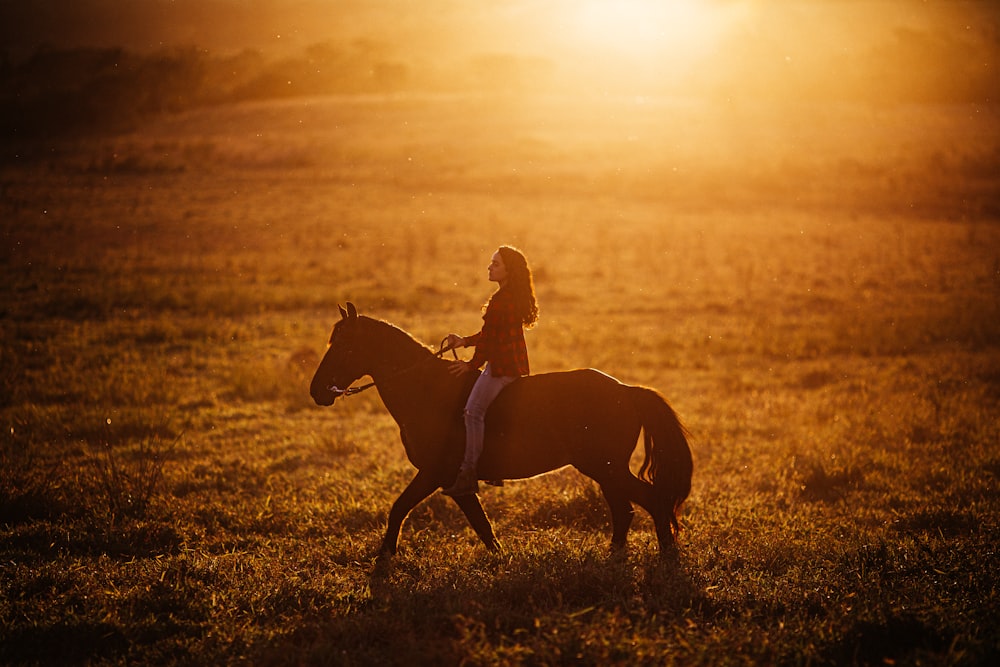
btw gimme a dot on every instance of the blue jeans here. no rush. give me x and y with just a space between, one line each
486 389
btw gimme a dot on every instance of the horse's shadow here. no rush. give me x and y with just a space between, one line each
539 584
535 593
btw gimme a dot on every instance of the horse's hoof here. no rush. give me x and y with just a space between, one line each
382 567
670 553
618 551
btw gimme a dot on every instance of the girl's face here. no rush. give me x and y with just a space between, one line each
497 270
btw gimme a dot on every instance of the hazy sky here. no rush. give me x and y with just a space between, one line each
640 39
512 25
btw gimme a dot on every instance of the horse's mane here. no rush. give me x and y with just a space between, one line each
390 333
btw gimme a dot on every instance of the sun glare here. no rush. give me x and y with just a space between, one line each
647 28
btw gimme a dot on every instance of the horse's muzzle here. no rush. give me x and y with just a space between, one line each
323 396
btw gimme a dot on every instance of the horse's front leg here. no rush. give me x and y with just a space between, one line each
421 486
474 512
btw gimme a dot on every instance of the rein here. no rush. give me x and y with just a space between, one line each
351 391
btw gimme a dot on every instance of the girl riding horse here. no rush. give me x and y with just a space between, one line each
500 345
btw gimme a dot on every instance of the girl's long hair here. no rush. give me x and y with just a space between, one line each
520 284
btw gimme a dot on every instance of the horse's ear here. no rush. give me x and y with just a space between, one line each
351 310
343 313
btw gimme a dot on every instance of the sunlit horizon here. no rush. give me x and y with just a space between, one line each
744 48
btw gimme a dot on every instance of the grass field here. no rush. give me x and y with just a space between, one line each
815 290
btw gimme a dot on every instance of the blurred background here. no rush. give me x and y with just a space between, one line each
151 56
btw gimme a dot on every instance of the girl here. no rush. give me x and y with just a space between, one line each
500 345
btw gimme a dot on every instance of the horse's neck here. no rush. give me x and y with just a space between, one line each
406 374
396 352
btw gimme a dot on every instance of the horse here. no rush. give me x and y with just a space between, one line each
539 423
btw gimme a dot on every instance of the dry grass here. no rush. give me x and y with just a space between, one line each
823 314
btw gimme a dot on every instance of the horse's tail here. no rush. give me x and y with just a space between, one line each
667 464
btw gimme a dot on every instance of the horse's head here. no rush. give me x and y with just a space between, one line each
343 362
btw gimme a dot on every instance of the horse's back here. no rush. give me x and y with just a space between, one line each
573 381
558 393
549 420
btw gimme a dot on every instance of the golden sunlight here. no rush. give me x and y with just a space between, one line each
648 28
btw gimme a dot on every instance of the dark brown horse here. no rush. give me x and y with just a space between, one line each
539 423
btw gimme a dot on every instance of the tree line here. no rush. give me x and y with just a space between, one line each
70 92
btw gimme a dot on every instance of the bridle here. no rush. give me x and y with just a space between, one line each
351 391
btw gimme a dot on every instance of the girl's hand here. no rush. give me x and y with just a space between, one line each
460 367
455 341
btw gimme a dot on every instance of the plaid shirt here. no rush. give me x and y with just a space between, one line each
501 340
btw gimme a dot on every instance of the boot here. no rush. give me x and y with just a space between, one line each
465 484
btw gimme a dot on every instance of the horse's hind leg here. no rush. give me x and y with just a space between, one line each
621 488
644 494
621 512
474 512
614 487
